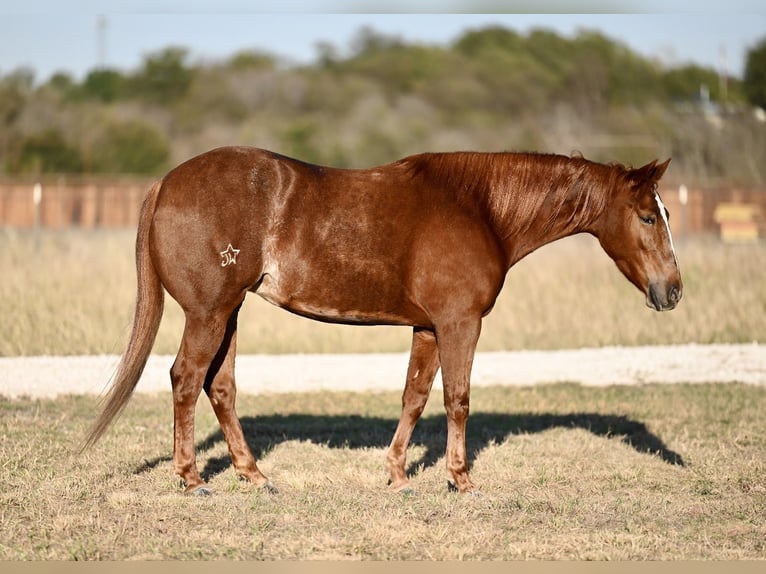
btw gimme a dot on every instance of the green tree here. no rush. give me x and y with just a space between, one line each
512 79
683 84
369 41
130 147
550 50
105 85
754 80
626 78
48 152
165 76
62 84
298 140
476 43
397 67
15 89
252 60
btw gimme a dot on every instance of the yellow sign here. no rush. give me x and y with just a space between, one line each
737 221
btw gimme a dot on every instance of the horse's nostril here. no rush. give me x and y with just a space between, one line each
674 294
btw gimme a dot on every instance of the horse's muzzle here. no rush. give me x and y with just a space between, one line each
662 297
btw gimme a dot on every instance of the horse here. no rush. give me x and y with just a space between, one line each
424 242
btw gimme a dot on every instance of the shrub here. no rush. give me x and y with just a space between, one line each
48 152
130 147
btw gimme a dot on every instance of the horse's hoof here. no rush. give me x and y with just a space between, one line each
452 487
270 488
403 487
201 491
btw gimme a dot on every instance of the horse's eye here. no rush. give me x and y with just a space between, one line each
648 219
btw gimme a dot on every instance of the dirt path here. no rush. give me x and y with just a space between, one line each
51 376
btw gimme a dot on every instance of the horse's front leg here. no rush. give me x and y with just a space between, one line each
424 362
457 345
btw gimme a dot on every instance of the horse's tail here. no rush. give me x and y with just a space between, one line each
146 322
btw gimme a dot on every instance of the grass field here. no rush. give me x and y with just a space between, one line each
74 294
566 472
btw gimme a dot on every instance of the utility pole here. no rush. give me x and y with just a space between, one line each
723 75
101 25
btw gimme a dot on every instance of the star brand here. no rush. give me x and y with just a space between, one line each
229 256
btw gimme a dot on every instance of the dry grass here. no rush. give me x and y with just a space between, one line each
567 472
74 295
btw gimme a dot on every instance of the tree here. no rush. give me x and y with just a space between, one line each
15 89
368 41
62 83
624 78
684 85
48 152
754 81
252 60
105 85
130 147
476 43
383 96
165 76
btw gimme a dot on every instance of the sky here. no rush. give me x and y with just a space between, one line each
49 36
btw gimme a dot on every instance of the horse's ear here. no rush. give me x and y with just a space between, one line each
650 172
659 170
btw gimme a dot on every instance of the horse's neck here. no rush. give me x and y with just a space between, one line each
528 199
540 211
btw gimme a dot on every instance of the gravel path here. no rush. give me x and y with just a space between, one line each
52 376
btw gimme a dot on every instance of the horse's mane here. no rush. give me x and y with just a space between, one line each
517 189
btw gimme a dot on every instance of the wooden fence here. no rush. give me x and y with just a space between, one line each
115 203
63 204
698 214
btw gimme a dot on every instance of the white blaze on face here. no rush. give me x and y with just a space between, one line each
664 215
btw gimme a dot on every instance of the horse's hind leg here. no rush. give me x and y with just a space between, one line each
202 339
424 362
222 392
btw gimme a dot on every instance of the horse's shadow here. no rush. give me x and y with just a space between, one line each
350 431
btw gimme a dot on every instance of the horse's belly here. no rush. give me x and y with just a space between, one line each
334 303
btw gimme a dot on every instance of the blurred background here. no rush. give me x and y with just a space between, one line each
95 105
87 99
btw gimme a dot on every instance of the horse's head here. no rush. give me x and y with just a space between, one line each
635 232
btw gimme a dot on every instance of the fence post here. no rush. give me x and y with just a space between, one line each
37 199
683 199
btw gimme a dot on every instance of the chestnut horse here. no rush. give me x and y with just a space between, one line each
425 242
